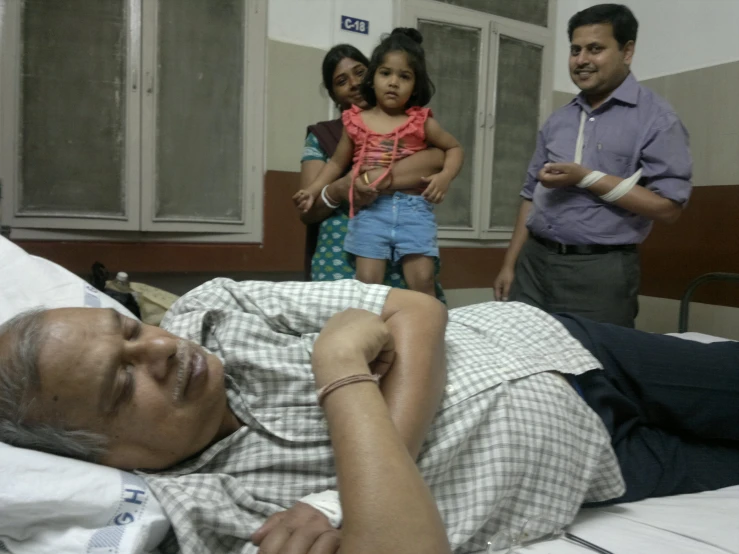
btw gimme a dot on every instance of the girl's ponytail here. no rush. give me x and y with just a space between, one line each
410 32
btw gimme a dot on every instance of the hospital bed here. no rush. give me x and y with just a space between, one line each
50 504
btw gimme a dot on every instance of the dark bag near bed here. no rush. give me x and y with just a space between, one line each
100 276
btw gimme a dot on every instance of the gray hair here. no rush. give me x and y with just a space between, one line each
20 345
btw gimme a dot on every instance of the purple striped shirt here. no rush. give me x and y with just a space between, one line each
634 128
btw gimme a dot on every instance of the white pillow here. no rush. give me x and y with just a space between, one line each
30 282
50 504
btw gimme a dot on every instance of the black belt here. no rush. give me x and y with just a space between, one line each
582 249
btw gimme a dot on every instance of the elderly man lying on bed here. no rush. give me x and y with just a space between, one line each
537 415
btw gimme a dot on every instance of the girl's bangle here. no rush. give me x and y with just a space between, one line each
326 200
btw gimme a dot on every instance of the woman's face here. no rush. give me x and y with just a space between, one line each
347 77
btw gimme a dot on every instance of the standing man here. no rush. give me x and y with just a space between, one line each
606 166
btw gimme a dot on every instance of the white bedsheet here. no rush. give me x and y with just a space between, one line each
702 523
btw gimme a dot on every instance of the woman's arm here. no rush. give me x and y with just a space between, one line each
410 172
319 211
308 195
333 169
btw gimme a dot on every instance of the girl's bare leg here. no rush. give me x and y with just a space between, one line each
418 271
371 270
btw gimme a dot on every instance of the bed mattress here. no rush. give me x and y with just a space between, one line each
702 523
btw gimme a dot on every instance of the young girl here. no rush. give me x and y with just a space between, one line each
400 225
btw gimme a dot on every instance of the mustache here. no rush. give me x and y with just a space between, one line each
183 357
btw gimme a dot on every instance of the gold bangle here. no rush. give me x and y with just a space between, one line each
366 178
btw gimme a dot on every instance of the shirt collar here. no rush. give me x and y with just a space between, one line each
627 92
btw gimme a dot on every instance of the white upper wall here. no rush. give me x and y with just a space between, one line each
317 23
674 36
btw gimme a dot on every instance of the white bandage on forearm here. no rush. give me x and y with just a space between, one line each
590 179
326 502
622 188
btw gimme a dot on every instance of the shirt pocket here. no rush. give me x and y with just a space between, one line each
615 154
561 147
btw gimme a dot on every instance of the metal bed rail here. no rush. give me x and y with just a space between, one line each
694 284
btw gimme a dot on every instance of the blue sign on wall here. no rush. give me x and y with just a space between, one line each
355 25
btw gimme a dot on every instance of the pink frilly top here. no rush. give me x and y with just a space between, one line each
383 150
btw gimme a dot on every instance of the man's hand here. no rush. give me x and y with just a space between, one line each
503 283
350 341
438 185
557 175
300 530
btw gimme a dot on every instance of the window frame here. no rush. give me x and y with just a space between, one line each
534 35
10 131
408 13
138 188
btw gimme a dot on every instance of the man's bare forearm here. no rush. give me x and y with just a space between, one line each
414 386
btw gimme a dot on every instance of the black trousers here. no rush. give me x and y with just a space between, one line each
601 287
670 405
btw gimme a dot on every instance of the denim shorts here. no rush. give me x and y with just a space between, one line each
392 227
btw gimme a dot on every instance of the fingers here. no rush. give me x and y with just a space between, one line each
501 291
302 200
433 194
327 543
384 360
272 521
506 290
352 334
361 187
306 204
303 541
364 198
299 530
436 189
438 198
503 283
275 540
498 288
553 179
551 169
